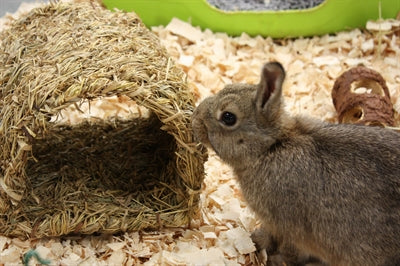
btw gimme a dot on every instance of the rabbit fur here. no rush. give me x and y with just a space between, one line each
327 194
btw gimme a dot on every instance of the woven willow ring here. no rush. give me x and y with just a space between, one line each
360 96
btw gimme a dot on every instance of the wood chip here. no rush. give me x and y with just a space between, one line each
185 30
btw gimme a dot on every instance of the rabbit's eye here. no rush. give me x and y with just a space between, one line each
228 118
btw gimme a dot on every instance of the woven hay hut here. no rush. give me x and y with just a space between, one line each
103 175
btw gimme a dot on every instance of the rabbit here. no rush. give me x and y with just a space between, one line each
324 193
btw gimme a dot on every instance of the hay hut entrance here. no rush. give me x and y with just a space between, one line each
122 155
117 154
100 165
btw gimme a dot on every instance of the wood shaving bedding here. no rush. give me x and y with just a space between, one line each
221 232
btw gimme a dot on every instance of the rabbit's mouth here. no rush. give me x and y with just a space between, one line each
202 137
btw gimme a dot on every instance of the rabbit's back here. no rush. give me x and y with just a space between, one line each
332 189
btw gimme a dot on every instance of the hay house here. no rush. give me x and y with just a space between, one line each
106 173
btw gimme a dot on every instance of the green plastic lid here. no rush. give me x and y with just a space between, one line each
329 17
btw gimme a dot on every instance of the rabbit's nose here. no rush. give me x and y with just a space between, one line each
199 112
200 132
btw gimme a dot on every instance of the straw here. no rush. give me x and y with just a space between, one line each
104 175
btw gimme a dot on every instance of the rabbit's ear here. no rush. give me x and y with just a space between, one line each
269 89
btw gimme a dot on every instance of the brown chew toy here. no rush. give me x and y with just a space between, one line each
360 96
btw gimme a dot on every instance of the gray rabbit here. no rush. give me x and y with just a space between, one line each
325 194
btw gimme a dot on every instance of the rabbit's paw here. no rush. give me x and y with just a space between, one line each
264 240
266 246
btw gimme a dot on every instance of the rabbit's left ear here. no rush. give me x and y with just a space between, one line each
269 89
